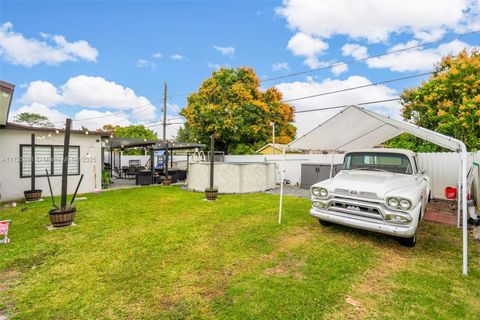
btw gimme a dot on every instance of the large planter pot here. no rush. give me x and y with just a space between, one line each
211 194
167 182
32 195
62 218
105 185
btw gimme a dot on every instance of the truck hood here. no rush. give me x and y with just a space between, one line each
377 182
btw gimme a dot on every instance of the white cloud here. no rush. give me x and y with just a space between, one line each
41 92
415 59
91 92
157 55
339 69
302 44
376 20
54 116
18 50
172 129
177 57
174 107
93 119
216 66
225 51
281 66
142 63
307 121
355 50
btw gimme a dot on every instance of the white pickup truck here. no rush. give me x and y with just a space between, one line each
380 190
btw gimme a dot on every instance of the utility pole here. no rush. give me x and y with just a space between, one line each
165 112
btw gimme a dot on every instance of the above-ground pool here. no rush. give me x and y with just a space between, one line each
232 177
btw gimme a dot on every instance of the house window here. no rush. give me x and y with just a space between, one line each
49 158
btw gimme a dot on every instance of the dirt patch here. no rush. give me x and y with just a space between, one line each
288 267
357 304
8 279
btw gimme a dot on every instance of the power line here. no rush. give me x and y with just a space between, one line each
371 57
347 105
108 115
288 75
359 87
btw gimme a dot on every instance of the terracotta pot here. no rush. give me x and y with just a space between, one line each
211 195
32 195
167 182
62 218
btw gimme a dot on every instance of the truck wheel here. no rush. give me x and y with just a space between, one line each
408 242
324 223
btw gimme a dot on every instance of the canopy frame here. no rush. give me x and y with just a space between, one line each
397 127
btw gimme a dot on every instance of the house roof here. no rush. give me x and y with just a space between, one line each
5 101
358 128
275 146
16 126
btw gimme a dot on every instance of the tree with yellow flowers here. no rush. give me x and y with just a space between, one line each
231 106
449 103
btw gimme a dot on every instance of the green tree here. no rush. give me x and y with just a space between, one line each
231 106
134 131
449 103
33 120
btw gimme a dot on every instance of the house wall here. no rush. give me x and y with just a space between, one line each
12 186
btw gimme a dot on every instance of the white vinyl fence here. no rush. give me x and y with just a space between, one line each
441 167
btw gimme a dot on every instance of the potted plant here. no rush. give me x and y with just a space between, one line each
211 193
33 194
64 215
105 179
167 181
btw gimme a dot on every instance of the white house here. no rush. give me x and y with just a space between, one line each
15 166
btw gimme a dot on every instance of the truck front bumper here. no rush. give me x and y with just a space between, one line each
405 230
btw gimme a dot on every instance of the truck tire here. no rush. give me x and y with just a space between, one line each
408 242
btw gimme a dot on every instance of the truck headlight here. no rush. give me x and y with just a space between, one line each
392 202
399 203
405 204
320 192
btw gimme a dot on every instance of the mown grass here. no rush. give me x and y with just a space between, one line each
164 253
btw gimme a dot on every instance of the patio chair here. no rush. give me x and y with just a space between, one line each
132 171
4 230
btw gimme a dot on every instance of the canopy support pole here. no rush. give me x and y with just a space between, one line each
464 208
282 177
331 165
459 188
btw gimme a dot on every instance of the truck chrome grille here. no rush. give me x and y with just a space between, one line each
356 208
360 194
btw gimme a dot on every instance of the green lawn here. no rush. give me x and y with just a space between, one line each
160 252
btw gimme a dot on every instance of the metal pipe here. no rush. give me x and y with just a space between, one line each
32 159
459 188
50 187
66 149
282 176
464 209
212 160
76 189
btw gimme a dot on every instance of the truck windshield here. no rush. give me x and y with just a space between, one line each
373 161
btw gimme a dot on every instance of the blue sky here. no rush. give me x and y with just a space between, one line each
101 62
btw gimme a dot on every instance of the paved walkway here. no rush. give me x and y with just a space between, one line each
292 191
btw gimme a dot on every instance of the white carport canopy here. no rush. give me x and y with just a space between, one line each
358 128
